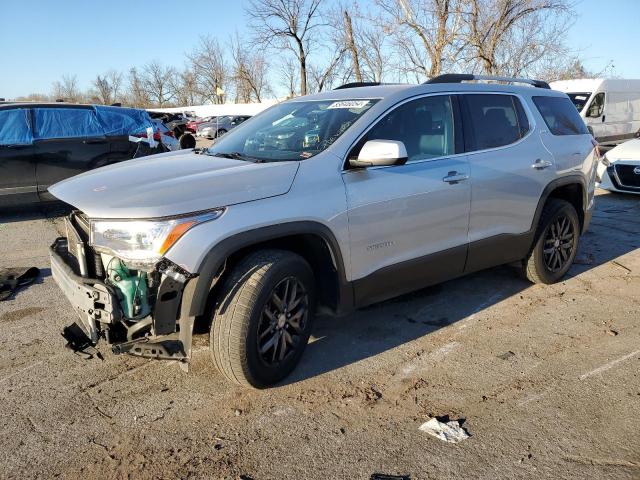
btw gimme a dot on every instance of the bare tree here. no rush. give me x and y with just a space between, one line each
425 33
289 24
250 72
107 87
289 77
211 70
137 95
185 86
350 41
491 32
67 89
157 83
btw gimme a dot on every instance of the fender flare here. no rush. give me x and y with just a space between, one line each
574 179
196 297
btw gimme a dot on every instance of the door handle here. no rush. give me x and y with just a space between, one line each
540 164
455 177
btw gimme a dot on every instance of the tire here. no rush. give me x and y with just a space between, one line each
220 132
555 245
187 141
246 318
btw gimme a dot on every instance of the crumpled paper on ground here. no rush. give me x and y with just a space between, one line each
450 432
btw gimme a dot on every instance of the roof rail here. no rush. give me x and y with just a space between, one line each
357 84
465 77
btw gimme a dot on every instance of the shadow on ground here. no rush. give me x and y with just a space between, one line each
376 329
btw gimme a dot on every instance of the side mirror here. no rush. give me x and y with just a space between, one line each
380 153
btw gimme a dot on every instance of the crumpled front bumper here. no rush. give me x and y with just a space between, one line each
165 335
93 300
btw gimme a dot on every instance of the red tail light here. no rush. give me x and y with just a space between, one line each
169 133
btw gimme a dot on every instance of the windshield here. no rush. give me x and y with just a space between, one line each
292 130
579 99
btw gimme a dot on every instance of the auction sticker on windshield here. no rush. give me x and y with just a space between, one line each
349 104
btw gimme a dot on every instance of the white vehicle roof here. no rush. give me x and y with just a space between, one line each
597 84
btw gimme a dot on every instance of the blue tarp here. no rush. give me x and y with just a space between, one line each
66 123
123 121
61 122
15 127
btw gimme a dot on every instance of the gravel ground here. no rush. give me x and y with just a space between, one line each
546 378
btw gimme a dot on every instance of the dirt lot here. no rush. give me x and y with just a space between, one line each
547 379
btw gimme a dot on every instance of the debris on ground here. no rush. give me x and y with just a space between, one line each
618 264
506 355
13 278
611 332
447 430
382 476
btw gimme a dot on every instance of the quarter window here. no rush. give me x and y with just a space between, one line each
560 115
494 121
425 126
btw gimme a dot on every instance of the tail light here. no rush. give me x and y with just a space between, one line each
169 133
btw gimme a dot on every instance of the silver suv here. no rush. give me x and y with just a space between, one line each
333 201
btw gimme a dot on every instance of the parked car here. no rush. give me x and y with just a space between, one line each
398 187
166 136
176 122
42 143
221 125
610 107
193 124
620 169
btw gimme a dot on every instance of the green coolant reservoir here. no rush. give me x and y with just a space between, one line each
133 289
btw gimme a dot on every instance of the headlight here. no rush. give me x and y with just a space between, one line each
143 242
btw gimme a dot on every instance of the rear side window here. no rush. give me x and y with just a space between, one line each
560 115
66 123
493 121
15 127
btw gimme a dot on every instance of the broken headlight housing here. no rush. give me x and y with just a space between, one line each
142 243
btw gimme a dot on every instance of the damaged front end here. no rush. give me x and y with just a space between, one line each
136 308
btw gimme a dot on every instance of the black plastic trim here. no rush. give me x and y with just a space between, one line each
408 276
216 257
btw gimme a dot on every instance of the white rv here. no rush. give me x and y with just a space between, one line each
611 107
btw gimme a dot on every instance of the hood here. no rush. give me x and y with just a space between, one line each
173 183
626 151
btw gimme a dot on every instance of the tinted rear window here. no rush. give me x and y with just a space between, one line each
560 115
494 121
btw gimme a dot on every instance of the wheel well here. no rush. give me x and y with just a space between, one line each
574 194
314 249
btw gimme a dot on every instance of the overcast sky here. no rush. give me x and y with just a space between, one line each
42 40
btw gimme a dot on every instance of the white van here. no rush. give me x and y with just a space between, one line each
611 107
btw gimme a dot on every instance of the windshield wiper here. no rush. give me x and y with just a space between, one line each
237 156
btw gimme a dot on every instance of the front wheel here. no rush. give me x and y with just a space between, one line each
556 243
262 321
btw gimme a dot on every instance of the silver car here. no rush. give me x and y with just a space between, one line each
371 193
220 125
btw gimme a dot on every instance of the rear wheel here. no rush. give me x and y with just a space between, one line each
556 244
187 141
262 323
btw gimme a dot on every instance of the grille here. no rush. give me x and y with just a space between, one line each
627 176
